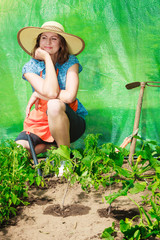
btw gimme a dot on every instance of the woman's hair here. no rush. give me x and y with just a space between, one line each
63 53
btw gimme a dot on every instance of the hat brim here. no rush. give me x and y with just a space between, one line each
27 39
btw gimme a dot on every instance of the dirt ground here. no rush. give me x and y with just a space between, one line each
85 215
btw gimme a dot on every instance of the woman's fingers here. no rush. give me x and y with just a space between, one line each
40 54
27 112
36 103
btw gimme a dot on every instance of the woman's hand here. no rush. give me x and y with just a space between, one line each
48 87
41 54
33 100
36 103
28 108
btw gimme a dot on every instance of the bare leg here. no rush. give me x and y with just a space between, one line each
40 148
58 122
24 144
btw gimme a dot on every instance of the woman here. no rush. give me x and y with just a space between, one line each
58 117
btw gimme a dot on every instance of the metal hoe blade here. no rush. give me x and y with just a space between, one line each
137 84
132 85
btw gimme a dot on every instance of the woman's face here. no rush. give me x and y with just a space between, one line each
50 42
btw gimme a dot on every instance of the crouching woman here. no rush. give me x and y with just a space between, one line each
53 72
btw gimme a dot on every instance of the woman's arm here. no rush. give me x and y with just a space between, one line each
33 100
72 83
49 87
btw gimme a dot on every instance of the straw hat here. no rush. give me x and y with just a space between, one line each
27 37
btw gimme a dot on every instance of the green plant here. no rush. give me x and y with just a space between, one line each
143 174
15 171
94 166
108 232
148 226
91 167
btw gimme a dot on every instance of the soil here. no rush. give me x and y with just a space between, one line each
83 217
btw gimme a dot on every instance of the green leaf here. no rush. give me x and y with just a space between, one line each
25 203
84 174
76 154
153 233
138 187
38 180
154 211
123 172
13 210
91 142
108 148
14 198
158 150
155 186
123 151
157 169
42 184
107 234
73 180
122 192
155 208
63 151
124 226
137 235
147 217
117 157
143 153
25 194
87 161
138 137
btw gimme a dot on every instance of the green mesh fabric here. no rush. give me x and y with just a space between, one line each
122 46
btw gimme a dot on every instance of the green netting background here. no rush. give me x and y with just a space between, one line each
122 46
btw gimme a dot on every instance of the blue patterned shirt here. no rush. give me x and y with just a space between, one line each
36 66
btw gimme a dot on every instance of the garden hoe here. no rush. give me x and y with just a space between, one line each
138 109
34 156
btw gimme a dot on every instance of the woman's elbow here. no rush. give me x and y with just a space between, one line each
70 99
51 94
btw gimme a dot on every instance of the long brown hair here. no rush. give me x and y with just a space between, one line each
63 53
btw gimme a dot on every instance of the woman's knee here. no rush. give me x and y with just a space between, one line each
24 143
55 107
